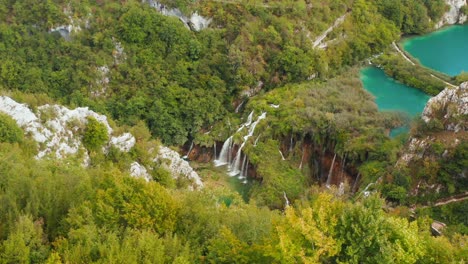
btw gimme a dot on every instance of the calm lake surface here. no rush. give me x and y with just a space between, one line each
445 50
391 95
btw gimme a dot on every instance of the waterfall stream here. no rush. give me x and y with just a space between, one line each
330 172
224 155
189 151
238 166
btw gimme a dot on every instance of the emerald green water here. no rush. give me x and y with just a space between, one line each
391 95
445 50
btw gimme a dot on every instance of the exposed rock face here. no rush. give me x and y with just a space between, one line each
194 22
56 129
139 171
453 15
177 166
451 106
449 112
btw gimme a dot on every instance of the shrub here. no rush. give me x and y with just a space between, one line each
95 134
9 130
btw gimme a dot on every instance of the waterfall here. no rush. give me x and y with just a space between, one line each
249 119
190 150
291 144
235 165
286 201
243 172
282 157
247 123
254 124
341 189
214 148
343 163
302 158
225 155
330 172
355 183
239 106
256 140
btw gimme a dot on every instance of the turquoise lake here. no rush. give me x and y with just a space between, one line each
445 50
391 95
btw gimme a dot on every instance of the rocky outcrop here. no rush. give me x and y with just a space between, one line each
451 107
178 167
139 171
446 120
454 14
56 128
58 132
194 22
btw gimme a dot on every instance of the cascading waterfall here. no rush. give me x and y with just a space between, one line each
214 147
330 172
282 156
343 163
302 158
239 106
286 200
189 151
256 140
243 172
236 167
225 155
356 183
291 144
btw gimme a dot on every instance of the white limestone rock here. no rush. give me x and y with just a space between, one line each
199 22
139 171
453 103
124 143
56 128
177 166
25 118
194 22
453 15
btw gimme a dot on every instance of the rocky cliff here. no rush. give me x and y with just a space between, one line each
436 155
449 106
454 15
448 111
58 133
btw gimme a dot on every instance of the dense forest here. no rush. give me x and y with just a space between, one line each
290 67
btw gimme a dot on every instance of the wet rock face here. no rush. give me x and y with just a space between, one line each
454 14
201 154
